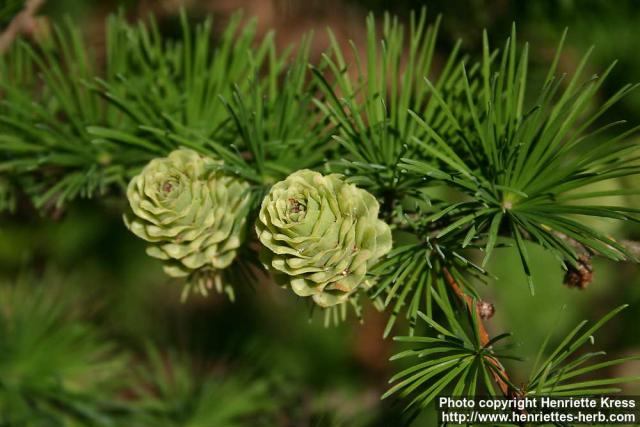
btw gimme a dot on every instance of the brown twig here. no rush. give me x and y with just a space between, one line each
581 275
631 246
501 375
22 22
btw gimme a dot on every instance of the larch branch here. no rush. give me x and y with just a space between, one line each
482 332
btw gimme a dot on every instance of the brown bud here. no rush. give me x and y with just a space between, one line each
485 309
579 276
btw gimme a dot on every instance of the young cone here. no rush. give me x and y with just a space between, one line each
192 213
321 236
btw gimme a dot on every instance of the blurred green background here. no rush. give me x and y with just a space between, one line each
82 304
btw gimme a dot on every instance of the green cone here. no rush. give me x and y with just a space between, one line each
192 214
321 235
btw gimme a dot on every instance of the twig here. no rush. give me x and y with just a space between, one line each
501 375
581 275
20 23
631 246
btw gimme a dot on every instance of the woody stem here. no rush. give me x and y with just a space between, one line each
501 374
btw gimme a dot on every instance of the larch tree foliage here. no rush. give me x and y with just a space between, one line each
375 176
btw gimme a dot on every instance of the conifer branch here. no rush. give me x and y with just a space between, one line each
631 246
72 127
502 374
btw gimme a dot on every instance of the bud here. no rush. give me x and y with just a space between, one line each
579 276
486 310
